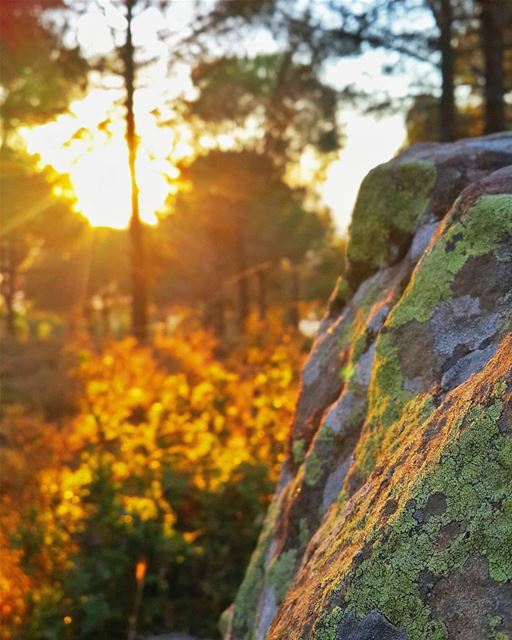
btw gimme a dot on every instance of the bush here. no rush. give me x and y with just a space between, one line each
148 514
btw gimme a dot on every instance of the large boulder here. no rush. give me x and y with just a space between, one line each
392 519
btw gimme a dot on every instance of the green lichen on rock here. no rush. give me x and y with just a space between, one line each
304 534
495 622
472 475
225 621
481 230
281 572
388 379
325 436
246 602
312 469
298 451
319 451
359 346
378 443
354 326
327 625
347 372
346 335
343 290
386 394
391 199
499 389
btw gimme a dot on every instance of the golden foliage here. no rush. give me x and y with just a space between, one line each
143 411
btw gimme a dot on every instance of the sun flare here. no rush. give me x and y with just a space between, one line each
102 186
97 162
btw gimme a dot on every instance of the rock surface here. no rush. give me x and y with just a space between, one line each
393 516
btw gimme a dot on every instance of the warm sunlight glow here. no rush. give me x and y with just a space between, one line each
98 165
102 185
370 141
95 156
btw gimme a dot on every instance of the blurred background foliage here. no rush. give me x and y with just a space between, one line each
164 457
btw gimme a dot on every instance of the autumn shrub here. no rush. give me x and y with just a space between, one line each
146 513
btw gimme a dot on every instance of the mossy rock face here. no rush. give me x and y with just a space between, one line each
391 200
396 198
393 516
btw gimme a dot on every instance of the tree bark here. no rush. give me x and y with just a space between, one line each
448 122
138 264
105 316
491 33
242 279
219 316
9 282
295 294
243 302
214 312
262 294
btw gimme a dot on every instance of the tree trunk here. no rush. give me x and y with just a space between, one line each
242 281
262 294
105 316
491 32
447 124
214 312
138 265
294 295
9 281
243 302
219 316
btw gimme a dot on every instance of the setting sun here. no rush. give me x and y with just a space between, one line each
102 185
97 160
99 168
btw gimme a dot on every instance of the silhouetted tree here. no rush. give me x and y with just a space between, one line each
443 14
126 61
138 265
495 16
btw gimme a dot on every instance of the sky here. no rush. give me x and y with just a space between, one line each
97 162
369 141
